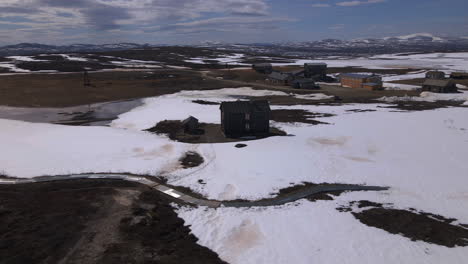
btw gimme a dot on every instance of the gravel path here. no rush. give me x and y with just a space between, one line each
186 198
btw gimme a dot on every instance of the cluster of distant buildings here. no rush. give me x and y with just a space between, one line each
304 78
437 82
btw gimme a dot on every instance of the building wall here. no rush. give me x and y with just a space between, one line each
239 124
352 83
373 87
438 89
315 70
435 75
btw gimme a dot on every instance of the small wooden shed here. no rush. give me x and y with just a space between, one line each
190 125
245 118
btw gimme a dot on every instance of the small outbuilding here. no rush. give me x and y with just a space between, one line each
245 118
304 84
439 86
436 75
190 125
459 75
265 68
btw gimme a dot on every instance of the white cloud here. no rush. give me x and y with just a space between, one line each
321 5
358 3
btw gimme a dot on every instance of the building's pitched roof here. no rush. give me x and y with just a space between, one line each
245 106
315 64
279 76
189 119
295 73
268 65
261 105
459 74
356 75
436 72
440 83
304 81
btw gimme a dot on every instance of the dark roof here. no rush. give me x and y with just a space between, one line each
302 81
357 75
460 73
372 84
296 72
435 72
262 65
316 64
440 83
245 106
279 76
189 119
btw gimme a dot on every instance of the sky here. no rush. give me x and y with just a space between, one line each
234 21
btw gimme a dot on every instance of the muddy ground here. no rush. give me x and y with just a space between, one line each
297 116
191 160
206 133
93 221
415 225
420 81
62 90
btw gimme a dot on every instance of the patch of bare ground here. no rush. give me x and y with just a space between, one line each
415 225
314 197
173 56
5 176
422 106
93 221
420 81
361 110
204 102
297 116
207 133
191 160
62 90
376 71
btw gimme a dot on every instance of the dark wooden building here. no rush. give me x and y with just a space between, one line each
459 75
439 86
265 68
317 71
245 118
436 75
304 84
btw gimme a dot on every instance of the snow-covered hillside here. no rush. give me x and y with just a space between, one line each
421 156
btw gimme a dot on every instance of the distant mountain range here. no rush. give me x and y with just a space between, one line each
420 42
34 48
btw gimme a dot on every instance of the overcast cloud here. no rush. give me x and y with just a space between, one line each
183 21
